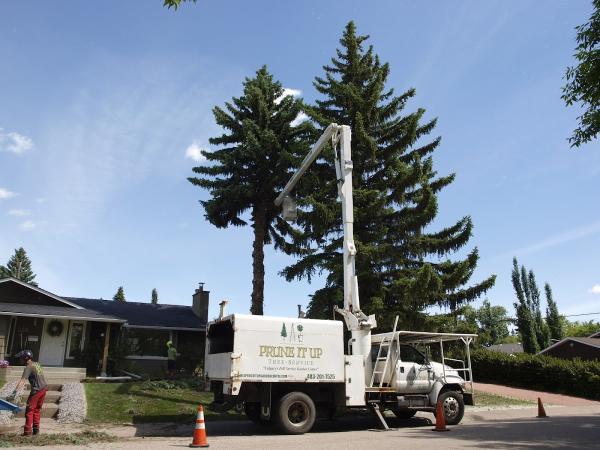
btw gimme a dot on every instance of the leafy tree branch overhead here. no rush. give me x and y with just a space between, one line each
583 80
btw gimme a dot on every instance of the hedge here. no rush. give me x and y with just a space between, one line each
571 377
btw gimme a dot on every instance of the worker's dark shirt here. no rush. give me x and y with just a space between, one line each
35 374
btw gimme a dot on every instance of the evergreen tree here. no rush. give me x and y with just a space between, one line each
19 267
583 80
120 295
259 150
401 267
525 320
154 296
552 317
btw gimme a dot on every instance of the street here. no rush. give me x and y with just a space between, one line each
567 427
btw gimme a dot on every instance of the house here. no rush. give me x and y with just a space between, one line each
99 334
575 347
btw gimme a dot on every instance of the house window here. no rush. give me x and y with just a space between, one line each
76 336
144 342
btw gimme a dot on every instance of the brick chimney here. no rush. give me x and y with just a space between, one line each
200 303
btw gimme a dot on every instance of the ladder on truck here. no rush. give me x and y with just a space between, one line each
386 343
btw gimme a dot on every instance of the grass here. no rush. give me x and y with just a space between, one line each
485 399
148 402
82 438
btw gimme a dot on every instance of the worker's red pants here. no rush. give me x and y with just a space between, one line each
33 410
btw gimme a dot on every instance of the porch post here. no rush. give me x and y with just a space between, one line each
105 354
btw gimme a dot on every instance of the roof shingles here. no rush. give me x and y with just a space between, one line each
144 314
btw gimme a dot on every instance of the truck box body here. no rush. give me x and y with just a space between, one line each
246 348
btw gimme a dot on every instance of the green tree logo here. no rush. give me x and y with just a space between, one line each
283 331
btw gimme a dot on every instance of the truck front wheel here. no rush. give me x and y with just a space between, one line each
296 413
453 406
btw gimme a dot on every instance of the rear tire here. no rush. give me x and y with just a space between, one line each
404 413
295 413
453 406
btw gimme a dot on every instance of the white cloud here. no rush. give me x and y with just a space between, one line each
595 289
18 212
302 117
194 152
5 193
14 142
286 92
28 225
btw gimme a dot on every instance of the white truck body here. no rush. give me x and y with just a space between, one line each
276 349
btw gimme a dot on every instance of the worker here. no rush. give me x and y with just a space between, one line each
34 373
171 359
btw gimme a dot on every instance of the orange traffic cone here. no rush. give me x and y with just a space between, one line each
200 431
440 418
541 410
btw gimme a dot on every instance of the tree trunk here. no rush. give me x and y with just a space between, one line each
258 260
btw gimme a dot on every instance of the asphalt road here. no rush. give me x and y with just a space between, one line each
567 427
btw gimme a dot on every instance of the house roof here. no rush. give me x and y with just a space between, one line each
592 342
40 291
141 315
595 335
20 309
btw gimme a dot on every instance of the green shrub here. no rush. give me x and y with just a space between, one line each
571 377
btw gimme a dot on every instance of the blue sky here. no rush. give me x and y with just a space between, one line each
100 102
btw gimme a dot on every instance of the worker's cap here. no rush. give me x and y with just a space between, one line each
25 354
169 343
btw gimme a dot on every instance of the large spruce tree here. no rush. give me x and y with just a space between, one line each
257 154
402 266
19 267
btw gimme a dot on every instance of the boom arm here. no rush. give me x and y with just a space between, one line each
340 136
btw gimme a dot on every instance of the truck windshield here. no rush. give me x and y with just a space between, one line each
410 354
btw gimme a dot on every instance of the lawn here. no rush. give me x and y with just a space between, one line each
485 399
140 402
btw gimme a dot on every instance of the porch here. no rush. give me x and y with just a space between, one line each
67 348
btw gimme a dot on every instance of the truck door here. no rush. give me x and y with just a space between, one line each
414 373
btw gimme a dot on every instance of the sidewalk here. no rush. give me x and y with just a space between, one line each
526 394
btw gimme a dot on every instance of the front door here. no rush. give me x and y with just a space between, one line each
54 339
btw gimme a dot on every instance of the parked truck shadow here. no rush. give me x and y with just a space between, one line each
180 426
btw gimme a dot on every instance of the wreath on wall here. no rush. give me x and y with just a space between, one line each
55 328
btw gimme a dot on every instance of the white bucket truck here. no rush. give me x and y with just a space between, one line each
286 371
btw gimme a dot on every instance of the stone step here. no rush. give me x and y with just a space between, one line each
52 379
68 370
49 410
51 387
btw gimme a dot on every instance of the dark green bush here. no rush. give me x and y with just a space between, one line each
544 373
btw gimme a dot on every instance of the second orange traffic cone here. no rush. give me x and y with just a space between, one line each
440 418
541 410
200 430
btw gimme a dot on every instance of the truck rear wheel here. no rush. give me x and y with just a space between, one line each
296 413
453 406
